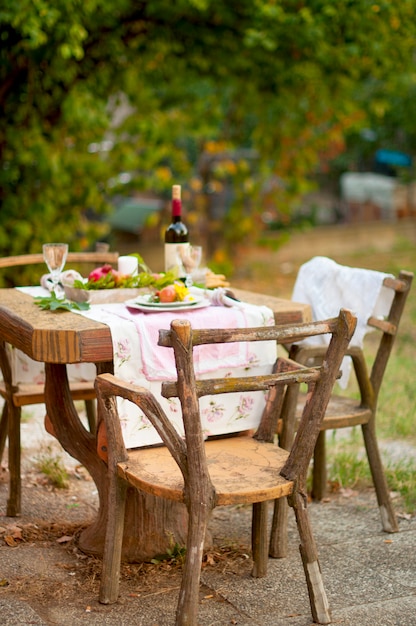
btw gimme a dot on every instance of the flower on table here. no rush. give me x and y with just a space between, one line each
122 353
214 412
253 361
174 406
244 407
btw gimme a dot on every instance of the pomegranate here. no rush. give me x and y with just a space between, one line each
100 272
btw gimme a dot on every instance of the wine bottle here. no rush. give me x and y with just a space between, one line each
176 234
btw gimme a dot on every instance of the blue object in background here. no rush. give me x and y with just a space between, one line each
392 157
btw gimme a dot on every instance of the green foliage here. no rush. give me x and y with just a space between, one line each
52 303
175 555
93 90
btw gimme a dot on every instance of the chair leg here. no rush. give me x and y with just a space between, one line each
259 538
110 575
187 609
319 473
91 415
15 481
4 425
387 514
317 596
278 533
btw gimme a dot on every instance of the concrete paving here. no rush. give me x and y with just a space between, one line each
370 576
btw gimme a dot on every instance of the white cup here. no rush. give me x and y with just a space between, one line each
128 265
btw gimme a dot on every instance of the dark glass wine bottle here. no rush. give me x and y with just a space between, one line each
176 234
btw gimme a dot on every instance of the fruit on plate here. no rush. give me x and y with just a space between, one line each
167 294
176 292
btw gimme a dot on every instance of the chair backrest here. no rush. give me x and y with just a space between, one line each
73 257
327 286
321 379
183 338
376 298
29 261
389 325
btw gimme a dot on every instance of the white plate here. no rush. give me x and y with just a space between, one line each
159 307
146 300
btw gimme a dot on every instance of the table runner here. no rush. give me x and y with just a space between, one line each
138 359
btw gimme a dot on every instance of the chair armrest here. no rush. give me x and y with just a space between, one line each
109 386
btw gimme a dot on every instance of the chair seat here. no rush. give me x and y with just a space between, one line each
342 412
28 394
249 474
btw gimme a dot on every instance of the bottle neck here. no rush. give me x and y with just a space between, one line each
176 209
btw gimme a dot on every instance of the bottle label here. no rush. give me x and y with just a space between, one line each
172 257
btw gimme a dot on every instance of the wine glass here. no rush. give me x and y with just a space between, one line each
190 257
54 255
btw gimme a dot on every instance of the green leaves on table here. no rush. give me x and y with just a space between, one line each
52 303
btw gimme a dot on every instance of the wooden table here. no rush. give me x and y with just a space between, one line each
60 338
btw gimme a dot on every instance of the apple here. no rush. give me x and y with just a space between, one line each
167 294
119 278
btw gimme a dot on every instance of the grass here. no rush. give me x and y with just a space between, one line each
348 466
52 467
401 477
274 271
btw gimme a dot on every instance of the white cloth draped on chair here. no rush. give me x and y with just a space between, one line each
327 286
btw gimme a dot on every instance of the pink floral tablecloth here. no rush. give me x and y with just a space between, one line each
138 359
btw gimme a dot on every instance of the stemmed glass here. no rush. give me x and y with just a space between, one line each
54 255
190 257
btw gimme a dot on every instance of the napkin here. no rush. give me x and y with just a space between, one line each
218 297
66 279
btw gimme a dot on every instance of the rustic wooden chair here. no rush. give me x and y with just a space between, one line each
344 411
197 472
18 395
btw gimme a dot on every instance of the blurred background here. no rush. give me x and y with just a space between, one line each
275 117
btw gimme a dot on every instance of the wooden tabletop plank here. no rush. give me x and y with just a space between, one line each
52 336
285 311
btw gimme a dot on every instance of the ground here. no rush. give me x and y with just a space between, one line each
68 576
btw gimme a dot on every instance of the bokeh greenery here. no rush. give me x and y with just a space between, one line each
99 99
